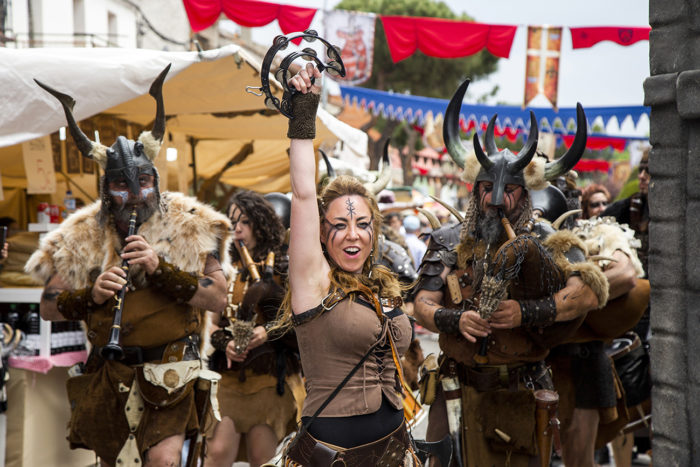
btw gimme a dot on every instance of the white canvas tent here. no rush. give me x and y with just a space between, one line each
205 99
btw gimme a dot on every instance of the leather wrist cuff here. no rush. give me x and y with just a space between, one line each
303 124
269 325
447 320
540 312
172 281
75 305
220 338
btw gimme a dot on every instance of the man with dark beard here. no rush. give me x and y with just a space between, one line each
134 402
501 295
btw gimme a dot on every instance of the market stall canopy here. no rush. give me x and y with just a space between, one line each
205 99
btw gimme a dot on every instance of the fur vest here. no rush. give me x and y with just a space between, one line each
183 233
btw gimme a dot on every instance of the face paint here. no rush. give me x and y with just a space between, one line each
124 195
145 192
350 206
348 232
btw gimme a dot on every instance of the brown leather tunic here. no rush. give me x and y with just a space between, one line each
332 342
505 346
149 319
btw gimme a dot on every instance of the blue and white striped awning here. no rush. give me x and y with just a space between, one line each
414 109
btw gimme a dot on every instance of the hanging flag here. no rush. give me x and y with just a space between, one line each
444 38
582 38
542 64
353 33
248 13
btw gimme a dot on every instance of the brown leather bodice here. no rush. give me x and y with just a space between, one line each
332 343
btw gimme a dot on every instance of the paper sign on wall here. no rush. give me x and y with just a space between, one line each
38 165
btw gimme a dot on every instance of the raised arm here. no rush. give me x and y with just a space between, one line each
308 268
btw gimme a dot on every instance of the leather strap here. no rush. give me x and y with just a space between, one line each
322 455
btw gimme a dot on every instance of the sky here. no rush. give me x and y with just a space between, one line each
605 75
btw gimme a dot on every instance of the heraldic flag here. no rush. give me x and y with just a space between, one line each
353 32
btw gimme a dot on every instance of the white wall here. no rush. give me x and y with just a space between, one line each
54 26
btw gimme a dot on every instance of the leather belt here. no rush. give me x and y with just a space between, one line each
136 355
388 451
491 377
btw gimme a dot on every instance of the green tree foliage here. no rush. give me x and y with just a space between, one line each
419 74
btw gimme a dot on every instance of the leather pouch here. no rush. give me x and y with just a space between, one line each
512 413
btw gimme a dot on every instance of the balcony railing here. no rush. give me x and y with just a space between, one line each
78 39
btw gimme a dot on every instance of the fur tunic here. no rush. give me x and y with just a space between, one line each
184 232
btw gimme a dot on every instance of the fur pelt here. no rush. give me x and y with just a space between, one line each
410 362
183 232
471 168
603 236
98 153
562 241
151 146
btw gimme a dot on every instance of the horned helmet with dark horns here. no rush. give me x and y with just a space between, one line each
126 159
503 167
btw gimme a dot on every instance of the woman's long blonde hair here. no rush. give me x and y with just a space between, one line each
379 279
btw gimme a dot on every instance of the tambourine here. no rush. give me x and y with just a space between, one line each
334 67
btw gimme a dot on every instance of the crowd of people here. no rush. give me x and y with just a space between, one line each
220 334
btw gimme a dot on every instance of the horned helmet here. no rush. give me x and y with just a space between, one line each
126 159
503 167
381 182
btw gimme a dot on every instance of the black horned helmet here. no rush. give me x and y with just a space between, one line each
504 167
126 159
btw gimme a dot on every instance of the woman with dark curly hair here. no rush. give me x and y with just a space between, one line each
345 309
261 390
594 200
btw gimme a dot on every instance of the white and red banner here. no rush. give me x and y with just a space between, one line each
542 65
353 33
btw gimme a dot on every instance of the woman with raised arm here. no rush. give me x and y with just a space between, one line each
346 311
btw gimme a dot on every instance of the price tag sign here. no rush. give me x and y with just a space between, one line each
39 166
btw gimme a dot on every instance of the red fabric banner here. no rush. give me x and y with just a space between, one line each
591 165
511 134
582 38
444 38
248 13
596 143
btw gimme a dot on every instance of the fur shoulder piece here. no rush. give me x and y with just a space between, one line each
64 249
191 228
471 168
563 245
603 236
184 233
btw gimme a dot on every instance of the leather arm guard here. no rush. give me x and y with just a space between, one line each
303 125
220 338
75 305
447 320
170 280
538 313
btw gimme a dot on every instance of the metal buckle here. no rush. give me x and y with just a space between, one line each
325 299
